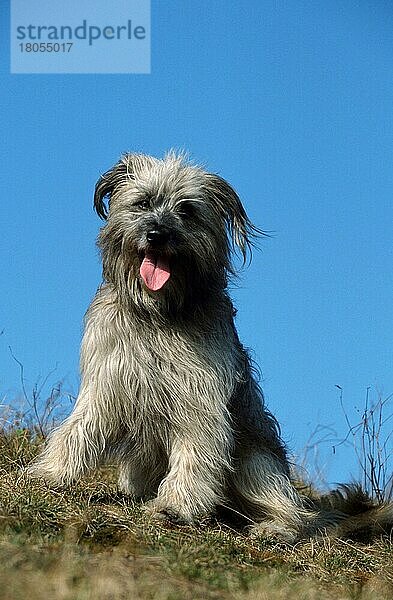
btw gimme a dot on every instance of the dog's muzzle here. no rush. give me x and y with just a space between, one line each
155 268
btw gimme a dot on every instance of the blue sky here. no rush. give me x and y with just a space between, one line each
291 102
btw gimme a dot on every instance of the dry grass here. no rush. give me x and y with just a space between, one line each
90 542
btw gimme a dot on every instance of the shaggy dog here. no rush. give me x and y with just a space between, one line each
168 391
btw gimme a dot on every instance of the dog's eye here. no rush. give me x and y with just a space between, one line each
186 210
143 204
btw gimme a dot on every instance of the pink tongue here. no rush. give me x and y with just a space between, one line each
155 271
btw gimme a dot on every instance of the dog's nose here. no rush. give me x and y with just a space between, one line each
157 237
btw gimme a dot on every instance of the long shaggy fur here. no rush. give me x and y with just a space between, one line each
167 390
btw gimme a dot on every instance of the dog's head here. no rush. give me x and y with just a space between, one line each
171 230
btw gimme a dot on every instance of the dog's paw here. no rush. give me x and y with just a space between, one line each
40 472
159 512
273 531
34 471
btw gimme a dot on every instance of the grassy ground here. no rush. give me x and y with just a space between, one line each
90 542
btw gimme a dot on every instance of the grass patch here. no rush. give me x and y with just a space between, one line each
91 542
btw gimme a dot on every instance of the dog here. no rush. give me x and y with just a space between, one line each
168 392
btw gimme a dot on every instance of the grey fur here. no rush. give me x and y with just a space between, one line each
167 389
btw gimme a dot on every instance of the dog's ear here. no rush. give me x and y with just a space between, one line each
128 166
241 231
106 185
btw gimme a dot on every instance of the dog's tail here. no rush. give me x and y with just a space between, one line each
357 516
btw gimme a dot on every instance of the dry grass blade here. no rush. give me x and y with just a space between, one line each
371 438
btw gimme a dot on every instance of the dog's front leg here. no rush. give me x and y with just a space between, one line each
73 448
193 485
